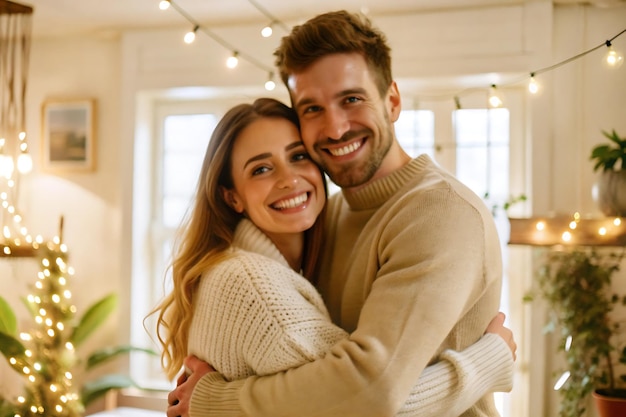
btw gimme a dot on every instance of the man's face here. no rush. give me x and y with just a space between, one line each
346 126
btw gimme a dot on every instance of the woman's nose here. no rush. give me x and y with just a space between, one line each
287 178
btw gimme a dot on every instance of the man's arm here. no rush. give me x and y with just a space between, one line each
448 387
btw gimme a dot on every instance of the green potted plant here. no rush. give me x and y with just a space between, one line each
576 283
610 159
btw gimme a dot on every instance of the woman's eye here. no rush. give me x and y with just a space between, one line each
259 170
301 156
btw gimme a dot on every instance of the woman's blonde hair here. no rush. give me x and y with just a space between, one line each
208 230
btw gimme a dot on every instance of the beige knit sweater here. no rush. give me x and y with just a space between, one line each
428 259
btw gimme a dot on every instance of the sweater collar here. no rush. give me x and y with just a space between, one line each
382 190
250 238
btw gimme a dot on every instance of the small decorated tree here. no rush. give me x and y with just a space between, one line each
46 356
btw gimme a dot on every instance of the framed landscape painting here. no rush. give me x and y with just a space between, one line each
68 135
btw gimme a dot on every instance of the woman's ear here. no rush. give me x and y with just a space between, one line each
232 199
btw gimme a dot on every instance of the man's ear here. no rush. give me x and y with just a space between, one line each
232 199
394 102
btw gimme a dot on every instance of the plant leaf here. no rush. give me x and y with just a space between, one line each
93 318
106 354
95 389
8 322
11 347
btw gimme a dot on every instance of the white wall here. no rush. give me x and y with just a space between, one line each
437 51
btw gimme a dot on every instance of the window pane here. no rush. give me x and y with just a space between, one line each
415 131
185 138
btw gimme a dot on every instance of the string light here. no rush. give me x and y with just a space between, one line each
233 60
270 84
267 31
191 35
533 86
613 58
164 5
494 99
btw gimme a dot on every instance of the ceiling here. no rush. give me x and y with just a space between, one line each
109 17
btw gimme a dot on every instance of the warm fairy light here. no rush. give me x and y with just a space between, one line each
21 399
48 322
39 285
233 60
602 231
62 281
67 294
31 378
60 326
12 361
572 224
37 366
533 86
53 388
617 221
55 298
69 346
26 370
45 262
33 408
58 408
540 225
25 336
28 353
566 236
68 375
164 4
42 311
38 319
50 332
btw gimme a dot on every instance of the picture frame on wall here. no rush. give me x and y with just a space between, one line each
68 135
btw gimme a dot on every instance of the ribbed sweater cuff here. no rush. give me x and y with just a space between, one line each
492 362
214 396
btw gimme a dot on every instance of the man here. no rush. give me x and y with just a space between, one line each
412 264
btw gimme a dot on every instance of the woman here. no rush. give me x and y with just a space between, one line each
239 302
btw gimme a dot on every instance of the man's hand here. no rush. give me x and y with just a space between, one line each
178 400
497 326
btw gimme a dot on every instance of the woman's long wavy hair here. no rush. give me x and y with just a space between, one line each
208 230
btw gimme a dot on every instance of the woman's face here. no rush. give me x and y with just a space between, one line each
275 182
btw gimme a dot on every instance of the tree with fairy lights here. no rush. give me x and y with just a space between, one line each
46 355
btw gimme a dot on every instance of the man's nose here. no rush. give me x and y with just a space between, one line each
336 124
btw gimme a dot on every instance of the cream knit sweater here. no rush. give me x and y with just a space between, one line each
448 269
253 315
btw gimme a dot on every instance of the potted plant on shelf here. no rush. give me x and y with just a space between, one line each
576 283
610 160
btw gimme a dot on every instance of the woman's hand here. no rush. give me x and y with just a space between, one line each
178 400
497 326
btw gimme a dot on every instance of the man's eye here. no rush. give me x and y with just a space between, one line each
311 109
352 99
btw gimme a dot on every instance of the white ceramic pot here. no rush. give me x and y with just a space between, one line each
610 193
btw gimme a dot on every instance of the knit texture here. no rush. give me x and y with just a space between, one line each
411 269
254 315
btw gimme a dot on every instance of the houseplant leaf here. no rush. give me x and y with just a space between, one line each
95 389
11 347
104 355
93 318
8 323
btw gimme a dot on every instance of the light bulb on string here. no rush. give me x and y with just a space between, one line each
191 35
270 84
164 4
533 86
267 31
232 60
494 100
613 58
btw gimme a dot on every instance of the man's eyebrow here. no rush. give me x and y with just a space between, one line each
343 93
